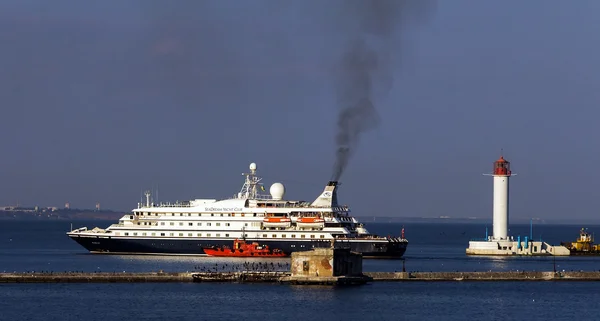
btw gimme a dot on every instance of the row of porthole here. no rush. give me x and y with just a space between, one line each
216 235
202 214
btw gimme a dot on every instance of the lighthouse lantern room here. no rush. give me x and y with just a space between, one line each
501 176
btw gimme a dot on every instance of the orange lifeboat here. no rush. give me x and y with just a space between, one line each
310 222
277 221
243 249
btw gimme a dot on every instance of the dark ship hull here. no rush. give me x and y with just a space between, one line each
369 248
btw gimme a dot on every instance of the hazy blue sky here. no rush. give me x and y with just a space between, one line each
99 100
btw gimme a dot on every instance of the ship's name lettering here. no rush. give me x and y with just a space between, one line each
223 209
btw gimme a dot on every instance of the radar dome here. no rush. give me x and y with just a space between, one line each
252 166
277 191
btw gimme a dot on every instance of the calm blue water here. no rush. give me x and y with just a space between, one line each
43 246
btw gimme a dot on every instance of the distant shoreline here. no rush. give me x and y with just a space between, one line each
109 215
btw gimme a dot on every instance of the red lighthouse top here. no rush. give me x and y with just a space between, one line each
502 167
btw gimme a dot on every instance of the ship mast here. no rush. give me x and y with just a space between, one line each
252 181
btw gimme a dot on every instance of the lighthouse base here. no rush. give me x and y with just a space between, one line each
515 248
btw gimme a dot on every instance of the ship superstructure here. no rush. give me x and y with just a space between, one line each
188 227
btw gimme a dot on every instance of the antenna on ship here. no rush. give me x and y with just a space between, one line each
249 188
147 193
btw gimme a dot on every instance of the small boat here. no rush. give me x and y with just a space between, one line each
243 249
584 244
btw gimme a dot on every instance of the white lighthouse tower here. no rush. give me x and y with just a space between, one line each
501 176
500 243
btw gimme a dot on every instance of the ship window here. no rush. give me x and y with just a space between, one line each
171 234
199 234
144 234
172 223
172 214
135 233
228 214
131 217
138 223
264 235
199 224
254 214
207 224
162 223
208 234
274 235
226 235
312 236
162 234
302 236
180 214
218 235
126 233
212 214
221 214
180 234
218 224
191 224
322 236
245 224
227 224
153 234
189 234
189 214
180 223
243 215
293 235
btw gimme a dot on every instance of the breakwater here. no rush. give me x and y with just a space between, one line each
82 277
485 276
285 277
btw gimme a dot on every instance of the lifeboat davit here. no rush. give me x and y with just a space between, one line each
274 221
243 249
310 222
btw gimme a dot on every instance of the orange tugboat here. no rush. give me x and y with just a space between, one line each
243 249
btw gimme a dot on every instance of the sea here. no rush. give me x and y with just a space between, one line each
38 245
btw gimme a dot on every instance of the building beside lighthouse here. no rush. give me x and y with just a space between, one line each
500 242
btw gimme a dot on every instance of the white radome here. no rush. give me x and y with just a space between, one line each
277 191
252 166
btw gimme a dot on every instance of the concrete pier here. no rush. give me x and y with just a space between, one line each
484 276
284 277
71 277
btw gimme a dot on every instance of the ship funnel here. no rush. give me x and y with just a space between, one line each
329 196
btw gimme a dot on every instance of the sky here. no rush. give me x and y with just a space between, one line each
101 100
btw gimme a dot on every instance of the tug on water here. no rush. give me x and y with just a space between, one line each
584 244
243 249
192 226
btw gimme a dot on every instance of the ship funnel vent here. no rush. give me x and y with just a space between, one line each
329 196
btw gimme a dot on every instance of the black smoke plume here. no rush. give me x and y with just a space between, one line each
358 74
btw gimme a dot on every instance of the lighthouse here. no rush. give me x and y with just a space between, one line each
500 243
501 174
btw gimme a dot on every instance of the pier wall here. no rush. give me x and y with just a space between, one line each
483 276
154 277
285 277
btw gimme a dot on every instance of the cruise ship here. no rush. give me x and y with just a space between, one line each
185 228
